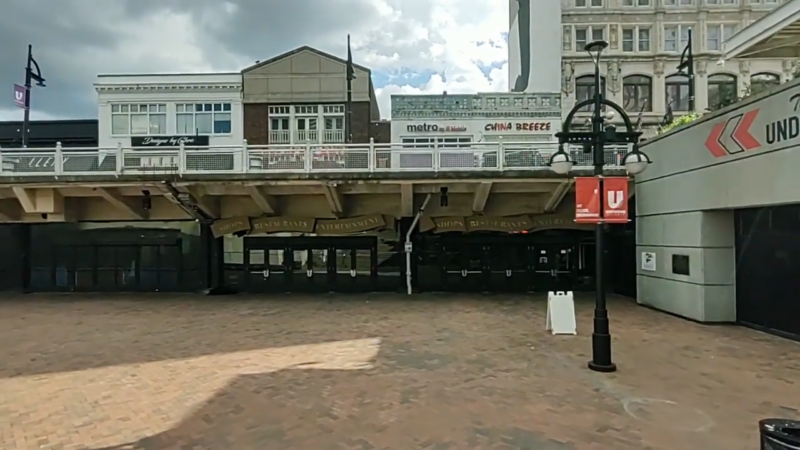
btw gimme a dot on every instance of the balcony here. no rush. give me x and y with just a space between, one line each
277 159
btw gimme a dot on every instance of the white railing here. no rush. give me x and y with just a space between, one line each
308 158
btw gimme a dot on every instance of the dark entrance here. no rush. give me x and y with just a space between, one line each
310 264
494 262
767 258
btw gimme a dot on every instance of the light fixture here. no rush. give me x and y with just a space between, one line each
443 196
594 49
635 162
560 162
147 201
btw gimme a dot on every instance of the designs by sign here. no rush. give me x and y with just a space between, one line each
535 127
434 128
587 199
169 141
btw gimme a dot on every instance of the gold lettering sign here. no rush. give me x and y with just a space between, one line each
282 224
426 224
449 224
502 224
556 222
229 226
347 226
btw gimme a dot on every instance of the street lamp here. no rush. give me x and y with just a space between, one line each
634 162
687 63
30 77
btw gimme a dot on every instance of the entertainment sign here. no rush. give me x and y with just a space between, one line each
427 127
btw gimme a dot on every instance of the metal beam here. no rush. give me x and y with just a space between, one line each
558 195
128 205
265 202
27 199
481 197
335 199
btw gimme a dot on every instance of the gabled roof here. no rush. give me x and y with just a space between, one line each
304 48
778 29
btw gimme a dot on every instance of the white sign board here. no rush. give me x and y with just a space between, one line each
649 261
409 247
561 313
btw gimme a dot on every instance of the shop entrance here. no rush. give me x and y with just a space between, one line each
310 264
501 263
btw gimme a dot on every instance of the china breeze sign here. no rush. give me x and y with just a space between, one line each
612 207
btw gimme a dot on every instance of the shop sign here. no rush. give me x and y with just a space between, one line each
435 128
520 127
354 225
169 141
230 226
282 224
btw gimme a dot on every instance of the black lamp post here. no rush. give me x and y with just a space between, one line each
30 77
635 162
687 64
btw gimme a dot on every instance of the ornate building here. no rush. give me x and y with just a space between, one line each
646 37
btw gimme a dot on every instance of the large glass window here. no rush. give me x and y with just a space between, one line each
637 93
138 119
677 92
585 89
722 90
203 118
762 82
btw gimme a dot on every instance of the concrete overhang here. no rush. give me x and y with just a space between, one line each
776 35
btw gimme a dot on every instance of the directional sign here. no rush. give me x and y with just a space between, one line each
733 136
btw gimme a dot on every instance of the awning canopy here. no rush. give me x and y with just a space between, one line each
776 35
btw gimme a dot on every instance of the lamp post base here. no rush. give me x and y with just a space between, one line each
604 368
601 351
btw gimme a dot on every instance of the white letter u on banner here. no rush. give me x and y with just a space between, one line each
615 199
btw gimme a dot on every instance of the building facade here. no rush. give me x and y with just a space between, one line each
300 97
646 37
532 67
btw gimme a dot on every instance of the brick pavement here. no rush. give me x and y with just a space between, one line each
440 372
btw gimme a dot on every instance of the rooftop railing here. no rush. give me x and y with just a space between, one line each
278 159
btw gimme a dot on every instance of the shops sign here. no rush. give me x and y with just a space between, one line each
519 126
427 127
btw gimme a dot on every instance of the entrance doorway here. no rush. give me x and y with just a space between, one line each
555 267
310 264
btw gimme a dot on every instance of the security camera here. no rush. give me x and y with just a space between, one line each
721 62
610 114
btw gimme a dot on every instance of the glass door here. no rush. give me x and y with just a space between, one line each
554 267
508 268
265 270
312 270
118 267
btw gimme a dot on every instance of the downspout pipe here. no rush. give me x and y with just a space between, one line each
408 245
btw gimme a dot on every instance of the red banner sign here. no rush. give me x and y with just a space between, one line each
615 199
587 200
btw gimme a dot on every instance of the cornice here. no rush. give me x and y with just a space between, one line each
168 87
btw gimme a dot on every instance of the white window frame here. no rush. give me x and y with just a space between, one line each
588 3
637 3
679 3
333 124
280 115
681 37
590 35
636 40
321 124
722 2
205 110
129 111
434 141
723 31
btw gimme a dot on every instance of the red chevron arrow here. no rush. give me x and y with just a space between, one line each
741 134
712 143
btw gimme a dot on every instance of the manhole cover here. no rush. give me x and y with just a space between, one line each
667 414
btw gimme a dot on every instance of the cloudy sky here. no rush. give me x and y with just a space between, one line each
412 46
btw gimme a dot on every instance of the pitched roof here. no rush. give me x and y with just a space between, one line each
304 48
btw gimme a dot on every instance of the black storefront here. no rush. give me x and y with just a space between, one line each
46 133
185 257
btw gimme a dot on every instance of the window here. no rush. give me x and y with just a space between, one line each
203 118
677 92
585 89
718 33
678 2
636 39
676 37
425 142
761 82
635 2
764 2
333 116
637 93
138 119
680 264
585 3
722 2
722 90
584 35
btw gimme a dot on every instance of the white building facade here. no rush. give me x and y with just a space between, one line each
646 37
534 62
152 110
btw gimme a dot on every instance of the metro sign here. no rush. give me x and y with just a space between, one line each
733 136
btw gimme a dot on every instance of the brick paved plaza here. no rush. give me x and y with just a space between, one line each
375 372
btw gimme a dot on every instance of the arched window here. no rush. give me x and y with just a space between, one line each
637 93
584 89
677 92
722 90
761 82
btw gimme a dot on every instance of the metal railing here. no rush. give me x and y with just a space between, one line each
308 158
